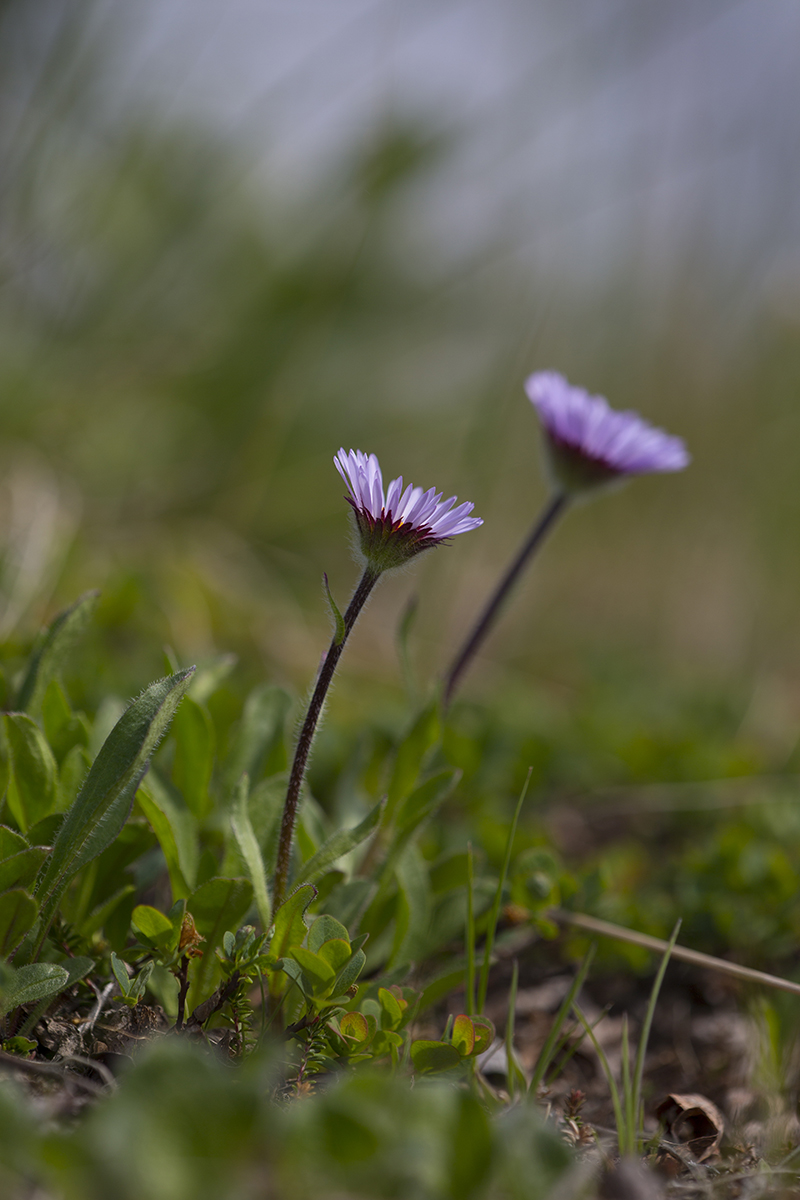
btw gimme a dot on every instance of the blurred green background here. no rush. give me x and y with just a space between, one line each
186 339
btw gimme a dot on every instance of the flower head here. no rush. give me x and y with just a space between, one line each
395 525
590 444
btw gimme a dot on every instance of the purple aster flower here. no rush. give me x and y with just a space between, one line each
395 525
590 444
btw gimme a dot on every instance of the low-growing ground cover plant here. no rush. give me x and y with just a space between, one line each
259 987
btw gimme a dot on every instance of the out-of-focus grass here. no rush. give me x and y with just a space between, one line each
183 353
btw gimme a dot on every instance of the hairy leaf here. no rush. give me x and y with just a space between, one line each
176 830
193 731
104 802
38 981
250 850
17 915
48 657
337 846
33 775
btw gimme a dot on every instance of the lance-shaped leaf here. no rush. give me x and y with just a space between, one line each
39 981
33 775
411 753
338 619
421 804
11 841
49 655
337 846
194 736
176 830
105 800
261 725
20 870
17 916
250 850
290 928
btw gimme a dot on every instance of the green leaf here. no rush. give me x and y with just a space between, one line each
104 802
20 870
77 968
425 800
429 1057
293 970
33 775
120 974
411 752
413 914
315 968
440 986
463 1036
349 972
290 928
338 845
418 807
335 952
193 731
211 675
38 981
11 842
250 850
261 725
56 643
403 638
216 906
154 925
63 728
392 1013
98 917
325 929
74 769
176 830
341 631
470 1146
17 916
484 1034
45 832
354 1025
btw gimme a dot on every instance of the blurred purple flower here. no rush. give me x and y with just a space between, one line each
395 526
590 443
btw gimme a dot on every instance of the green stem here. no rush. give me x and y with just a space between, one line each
554 507
304 742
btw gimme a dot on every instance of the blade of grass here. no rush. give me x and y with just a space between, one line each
549 1048
628 1098
470 935
612 1083
574 1048
648 1022
495 910
514 1075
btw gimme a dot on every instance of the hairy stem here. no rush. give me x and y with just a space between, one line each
360 595
183 980
553 509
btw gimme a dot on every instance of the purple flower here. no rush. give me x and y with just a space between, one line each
395 525
590 443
